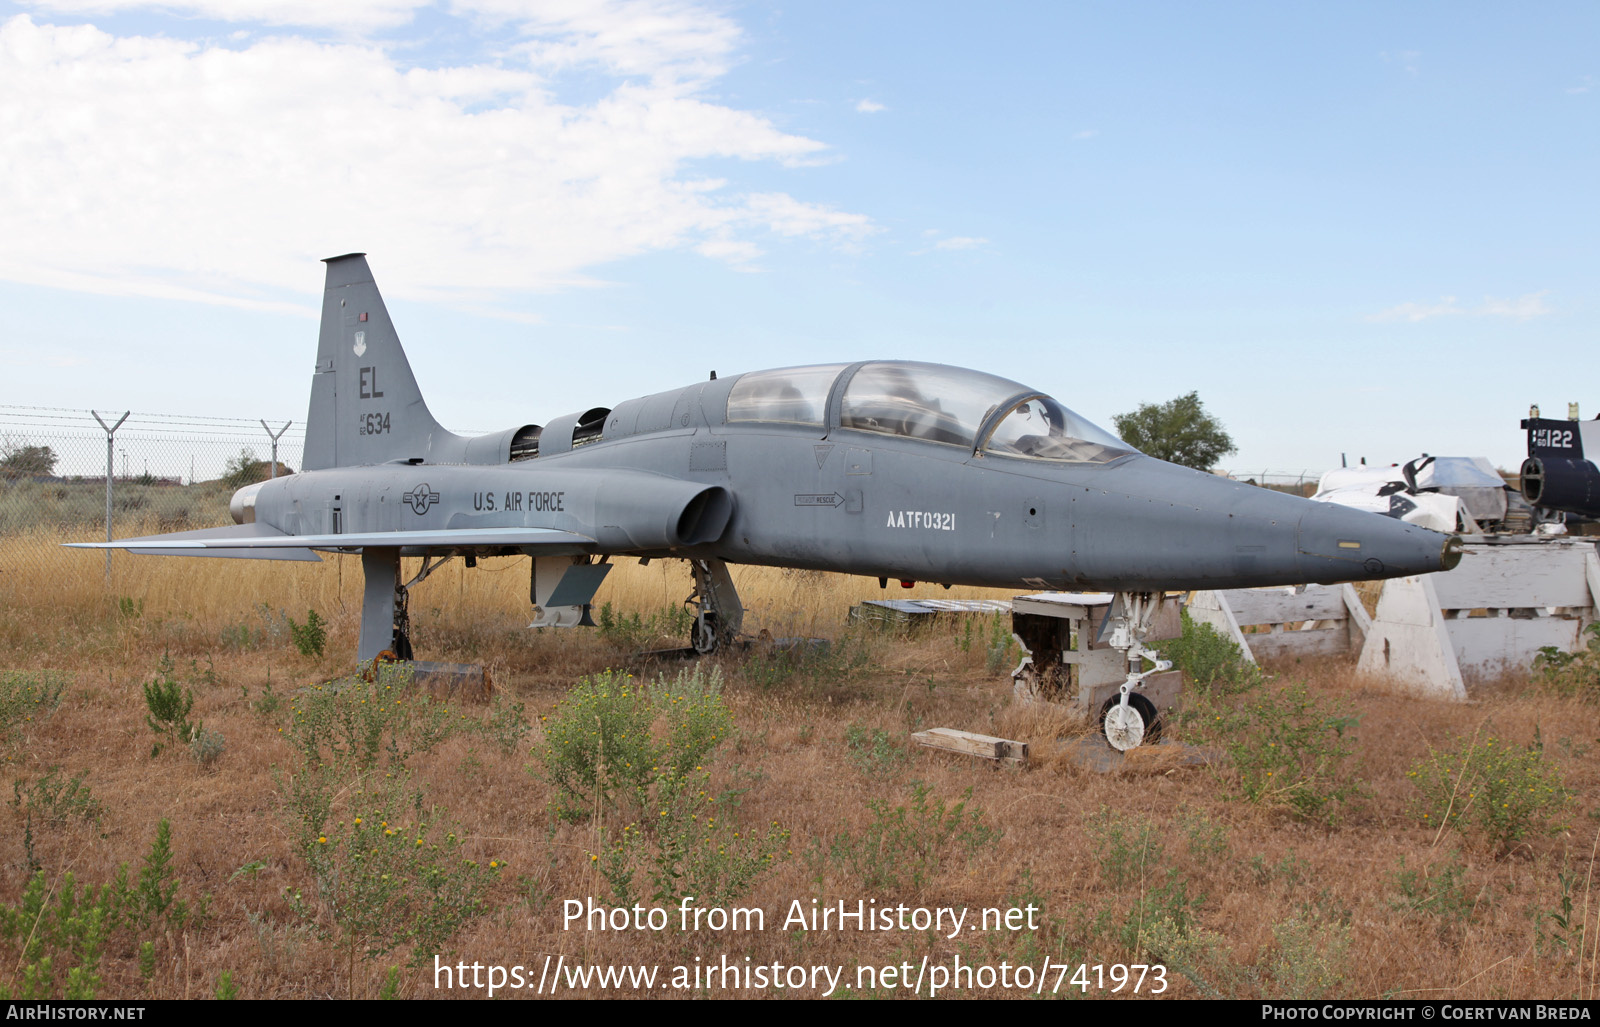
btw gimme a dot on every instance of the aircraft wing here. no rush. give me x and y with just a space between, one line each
261 542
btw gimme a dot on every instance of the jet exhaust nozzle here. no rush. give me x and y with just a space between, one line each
243 504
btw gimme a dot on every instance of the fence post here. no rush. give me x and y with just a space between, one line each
273 472
111 433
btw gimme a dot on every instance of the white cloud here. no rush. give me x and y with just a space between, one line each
342 15
948 243
869 106
1409 60
1088 133
1521 308
1584 85
1418 311
156 166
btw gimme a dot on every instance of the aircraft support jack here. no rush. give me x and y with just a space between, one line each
718 613
1129 717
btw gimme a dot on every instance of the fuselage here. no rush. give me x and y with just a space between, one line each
673 475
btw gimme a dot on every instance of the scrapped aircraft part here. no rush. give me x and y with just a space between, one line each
1562 483
562 589
719 615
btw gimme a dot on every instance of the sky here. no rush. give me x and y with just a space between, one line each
1366 229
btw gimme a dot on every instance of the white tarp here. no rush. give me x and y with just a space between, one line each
1447 486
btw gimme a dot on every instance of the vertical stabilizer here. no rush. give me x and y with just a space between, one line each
365 404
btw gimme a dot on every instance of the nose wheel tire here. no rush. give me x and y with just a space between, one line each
1126 727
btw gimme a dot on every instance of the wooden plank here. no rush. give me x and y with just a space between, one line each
1312 642
1487 647
1509 577
1277 606
969 744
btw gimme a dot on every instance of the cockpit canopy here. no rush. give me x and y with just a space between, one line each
948 405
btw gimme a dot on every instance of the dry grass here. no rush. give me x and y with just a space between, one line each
1253 878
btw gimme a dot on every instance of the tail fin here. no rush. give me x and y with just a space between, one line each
365 404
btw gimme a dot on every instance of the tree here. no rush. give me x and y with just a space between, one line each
25 461
245 469
1179 431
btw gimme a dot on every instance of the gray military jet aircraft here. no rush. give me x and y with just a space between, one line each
895 469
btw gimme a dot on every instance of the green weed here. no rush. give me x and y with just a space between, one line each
354 724
600 746
906 845
206 746
311 637
873 752
1507 791
1575 674
27 697
640 631
507 725
1437 891
169 705
1288 747
387 875
60 925
54 799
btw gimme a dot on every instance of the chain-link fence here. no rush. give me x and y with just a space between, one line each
167 472
1298 483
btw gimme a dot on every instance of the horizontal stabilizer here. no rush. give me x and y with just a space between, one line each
220 541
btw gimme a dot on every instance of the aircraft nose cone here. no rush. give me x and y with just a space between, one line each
1336 543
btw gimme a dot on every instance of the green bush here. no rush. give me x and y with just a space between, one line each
1507 791
206 746
1438 890
600 742
1211 662
873 752
641 631
694 845
616 744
